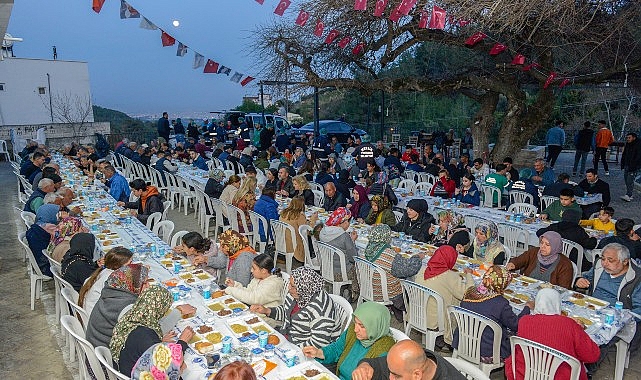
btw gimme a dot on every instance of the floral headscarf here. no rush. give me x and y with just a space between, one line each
340 215
152 305
493 284
217 175
67 227
234 243
380 237
161 361
381 202
382 178
492 247
129 278
308 283
452 218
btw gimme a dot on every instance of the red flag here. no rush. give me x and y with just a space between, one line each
360 5
358 49
437 21
380 7
344 42
97 5
302 18
518 59
463 22
564 82
531 66
318 29
422 23
282 7
475 39
166 39
261 2
246 80
211 67
550 79
396 14
332 36
497 49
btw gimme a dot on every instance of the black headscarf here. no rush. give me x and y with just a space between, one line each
78 264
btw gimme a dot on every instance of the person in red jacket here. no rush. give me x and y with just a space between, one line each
444 186
547 326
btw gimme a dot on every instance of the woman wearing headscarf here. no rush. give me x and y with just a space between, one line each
90 291
487 299
139 329
487 246
368 336
441 277
547 326
449 223
214 186
309 316
78 264
359 205
40 233
335 234
344 183
546 262
416 221
65 230
235 256
381 212
162 360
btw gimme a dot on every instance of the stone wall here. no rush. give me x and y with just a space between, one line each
58 133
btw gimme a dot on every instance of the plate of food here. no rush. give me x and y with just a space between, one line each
239 328
309 370
587 301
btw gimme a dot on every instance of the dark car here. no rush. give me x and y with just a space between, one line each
337 128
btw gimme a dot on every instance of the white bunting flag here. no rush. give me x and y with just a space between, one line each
182 50
199 60
236 77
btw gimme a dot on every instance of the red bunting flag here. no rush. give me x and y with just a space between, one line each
475 39
564 82
332 36
282 7
550 79
406 6
497 49
344 42
396 14
358 49
318 29
261 2
531 66
360 5
211 67
166 39
302 18
380 7
437 21
518 59
425 16
97 5
462 23
246 80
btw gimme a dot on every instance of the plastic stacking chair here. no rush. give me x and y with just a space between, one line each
416 297
176 239
304 230
164 229
469 370
367 273
542 362
71 296
153 219
326 253
517 196
285 290
104 357
35 274
344 309
398 335
522 208
279 231
75 329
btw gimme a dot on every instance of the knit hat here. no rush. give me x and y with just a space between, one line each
418 205
339 216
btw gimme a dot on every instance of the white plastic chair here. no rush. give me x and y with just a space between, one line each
104 357
423 187
398 215
71 296
153 219
61 305
35 274
514 237
220 208
344 309
470 329
304 231
188 195
326 253
259 220
488 197
283 293
398 335
319 198
317 187
522 208
406 184
279 231
165 207
568 245
366 273
237 220
542 362
517 196
177 238
469 370
28 218
164 229
409 174
546 200
75 329
416 297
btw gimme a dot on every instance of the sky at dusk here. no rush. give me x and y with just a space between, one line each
129 69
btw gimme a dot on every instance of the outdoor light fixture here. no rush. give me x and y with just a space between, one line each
176 23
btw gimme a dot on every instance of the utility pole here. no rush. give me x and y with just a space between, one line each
50 101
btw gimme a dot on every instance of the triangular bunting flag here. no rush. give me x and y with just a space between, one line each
97 5
199 60
463 23
497 49
360 5
475 39
518 59
550 79
564 83
302 18
332 36
318 29
224 70
211 67
236 77
531 66
344 42
146 24
422 23
437 21
282 7
396 14
182 49
166 39
246 80
358 49
406 6
261 2
380 7
127 11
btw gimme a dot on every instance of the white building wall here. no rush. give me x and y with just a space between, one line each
20 101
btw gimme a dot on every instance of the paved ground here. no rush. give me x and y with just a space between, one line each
32 345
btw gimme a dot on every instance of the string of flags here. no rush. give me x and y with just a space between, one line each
209 66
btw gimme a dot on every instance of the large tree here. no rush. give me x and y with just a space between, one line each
588 42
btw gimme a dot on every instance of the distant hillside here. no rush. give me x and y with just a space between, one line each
123 125
112 116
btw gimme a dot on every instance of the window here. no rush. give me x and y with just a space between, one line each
1 86
41 90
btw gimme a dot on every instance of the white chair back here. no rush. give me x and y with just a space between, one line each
522 208
177 238
35 274
153 219
398 335
283 293
367 274
542 362
546 200
568 246
517 196
164 229
75 329
398 215
71 296
317 187
259 220
279 232
165 208
416 297
309 244
104 357
327 254
469 370
28 218
344 310
319 198
423 188
220 208
515 238
489 193
238 222
406 184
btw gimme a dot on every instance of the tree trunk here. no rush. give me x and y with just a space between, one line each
483 123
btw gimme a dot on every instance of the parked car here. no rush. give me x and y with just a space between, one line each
337 128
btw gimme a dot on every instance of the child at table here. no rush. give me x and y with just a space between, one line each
266 286
603 222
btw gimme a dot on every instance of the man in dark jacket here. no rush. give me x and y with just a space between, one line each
562 182
417 221
163 127
149 200
630 163
364 153
333 199
30 166
592 184
569 229
285 185
266 136
583 145
625 235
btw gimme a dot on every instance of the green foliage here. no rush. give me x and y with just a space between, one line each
121 123
249 106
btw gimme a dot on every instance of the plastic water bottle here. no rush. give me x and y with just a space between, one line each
618 309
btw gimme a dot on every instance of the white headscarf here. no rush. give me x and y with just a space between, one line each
547 302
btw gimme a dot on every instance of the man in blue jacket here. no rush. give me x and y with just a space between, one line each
118 185
267 207
555 139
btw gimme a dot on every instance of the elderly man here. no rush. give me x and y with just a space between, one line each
284 186
406 360
542 176
333 199
45 186
117 184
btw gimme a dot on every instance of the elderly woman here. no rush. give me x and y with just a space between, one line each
303 189
381 212
40 233
162 360
546 262
214 186
65 230
547 326
417 221
487 299
236 257
368 336
139 329
359 205
309 316
78 264
441 277
487 246
449 223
